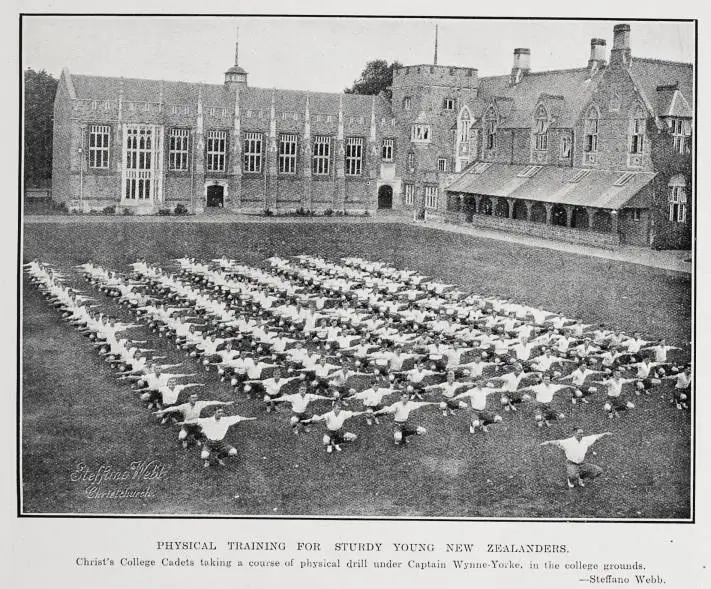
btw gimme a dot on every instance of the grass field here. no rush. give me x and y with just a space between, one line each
74 410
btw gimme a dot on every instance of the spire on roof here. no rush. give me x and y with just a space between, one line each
237 47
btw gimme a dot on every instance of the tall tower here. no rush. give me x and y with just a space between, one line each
236 77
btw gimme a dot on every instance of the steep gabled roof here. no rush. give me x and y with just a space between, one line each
573 86
649 74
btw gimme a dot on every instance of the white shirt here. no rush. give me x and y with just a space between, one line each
633 345
544 393
643 370
545 362
417 375
614 387
476 368
660 353
299 403
579 376
272 386
372 397
334 422
401 411
478 398
215 429
575 450
192 412
523 351
683 381
511 381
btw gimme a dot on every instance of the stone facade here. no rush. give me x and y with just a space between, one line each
147 145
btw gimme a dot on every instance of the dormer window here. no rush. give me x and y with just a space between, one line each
406 103
449 104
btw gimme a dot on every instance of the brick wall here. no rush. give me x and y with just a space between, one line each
605 240
615 89
634 232
176 188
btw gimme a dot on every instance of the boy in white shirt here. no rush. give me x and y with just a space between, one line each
214 429
335 434
401 413
575 449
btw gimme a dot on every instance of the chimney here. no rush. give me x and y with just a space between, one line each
521 64
621 52
597 56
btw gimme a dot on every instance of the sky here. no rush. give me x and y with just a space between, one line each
320 54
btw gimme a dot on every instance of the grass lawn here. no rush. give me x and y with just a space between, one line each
75 411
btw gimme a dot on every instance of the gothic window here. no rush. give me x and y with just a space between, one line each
354 156
322 155
541 129
99 136
491 124
253 153
388 149
592 123
681 134
566 146
637 131
216 150
430 197
677 199
178 141
287 154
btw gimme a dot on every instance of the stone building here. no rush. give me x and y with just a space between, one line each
598 154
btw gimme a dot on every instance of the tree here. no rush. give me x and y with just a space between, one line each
376 77
40 88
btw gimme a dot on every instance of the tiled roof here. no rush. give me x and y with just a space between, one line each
671 103
184 93
551 184
565 92
648 74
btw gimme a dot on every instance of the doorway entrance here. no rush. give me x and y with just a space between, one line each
385 197
215 196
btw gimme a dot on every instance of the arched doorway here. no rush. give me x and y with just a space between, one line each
215 196
559 216
520 211
502 208
468 208
485 206
538 213
602 221
385 197
580 218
